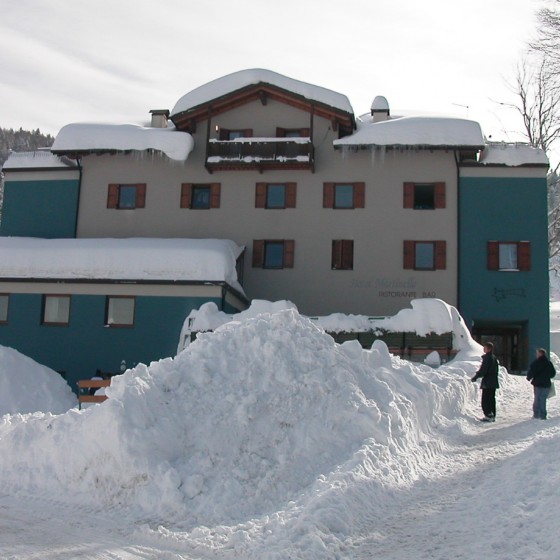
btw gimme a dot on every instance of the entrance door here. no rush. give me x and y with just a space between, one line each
508 345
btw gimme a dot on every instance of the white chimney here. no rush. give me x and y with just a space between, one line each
380 109
159 118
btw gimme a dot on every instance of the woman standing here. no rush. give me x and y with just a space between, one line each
540 374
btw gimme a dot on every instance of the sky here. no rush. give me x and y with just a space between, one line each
113 60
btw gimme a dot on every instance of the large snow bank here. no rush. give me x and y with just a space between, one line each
244 78
435 132
40 159
264 425
512 155
211 260
85 137
26 386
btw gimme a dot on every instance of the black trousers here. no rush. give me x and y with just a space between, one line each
488 402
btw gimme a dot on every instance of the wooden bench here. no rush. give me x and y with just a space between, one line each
86 385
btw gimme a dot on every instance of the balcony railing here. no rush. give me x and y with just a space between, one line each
260 153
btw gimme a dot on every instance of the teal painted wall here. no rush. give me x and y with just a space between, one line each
503 209
85 345
45 208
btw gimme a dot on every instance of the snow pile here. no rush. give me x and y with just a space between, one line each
41 159
263 415
435 132
86 137
26 386
245 78
512 155
206 260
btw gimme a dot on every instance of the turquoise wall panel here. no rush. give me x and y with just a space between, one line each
503 209
86 345
40 208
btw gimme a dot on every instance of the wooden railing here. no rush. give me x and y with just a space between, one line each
84 390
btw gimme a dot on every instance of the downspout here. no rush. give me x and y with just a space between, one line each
80 171
456 155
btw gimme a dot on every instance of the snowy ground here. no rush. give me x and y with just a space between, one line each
266 441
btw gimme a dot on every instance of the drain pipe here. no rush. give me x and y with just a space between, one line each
80 171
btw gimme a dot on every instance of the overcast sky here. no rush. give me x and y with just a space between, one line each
64 61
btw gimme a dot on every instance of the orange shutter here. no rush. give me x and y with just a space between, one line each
258 253
347 254
408 195
289 248
524 255
260 195
186 195
493 255
141 195
408 255
439 197
215 190
359 195
328 195
248 133
336 258
291 189
441 255
113 196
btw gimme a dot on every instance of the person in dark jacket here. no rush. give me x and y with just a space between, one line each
540 374
488 372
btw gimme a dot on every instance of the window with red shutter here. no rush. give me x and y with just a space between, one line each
342 254
126 196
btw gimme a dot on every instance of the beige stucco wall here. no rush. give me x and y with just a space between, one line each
378 284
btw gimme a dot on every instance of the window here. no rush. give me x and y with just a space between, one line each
509 255
227 134
275 195
343 195
292 132
126 197
424 196
120 311
56 310
273 253
342 254
4 301
200 196
425 255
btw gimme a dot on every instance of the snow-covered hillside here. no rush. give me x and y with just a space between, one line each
265 440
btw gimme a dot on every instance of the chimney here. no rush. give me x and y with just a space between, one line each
159 118
380 109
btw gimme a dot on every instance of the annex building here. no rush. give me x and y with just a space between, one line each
258 186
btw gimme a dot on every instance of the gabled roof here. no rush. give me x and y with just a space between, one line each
417 132
97 138
244 86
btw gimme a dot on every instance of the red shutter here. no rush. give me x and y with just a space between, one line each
305 132
328 195
260 195
524 255
441 255
359 195
113 196
493 255
215 190
291 189
289 247
336 258
186 195
258 253
347 254
248 133
408 195
439 197
141 195
408 255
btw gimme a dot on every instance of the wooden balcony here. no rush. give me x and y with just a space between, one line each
260 154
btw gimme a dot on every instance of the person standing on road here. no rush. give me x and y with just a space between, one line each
540 374
488 372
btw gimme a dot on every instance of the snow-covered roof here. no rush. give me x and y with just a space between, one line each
40 159
85 137
435 132
205 260
244 78
512 155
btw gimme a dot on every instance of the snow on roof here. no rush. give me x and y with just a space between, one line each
380 103
120 259
80 137
512 155
415 131
244 78
40 159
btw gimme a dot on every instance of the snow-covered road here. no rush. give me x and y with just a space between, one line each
473 501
